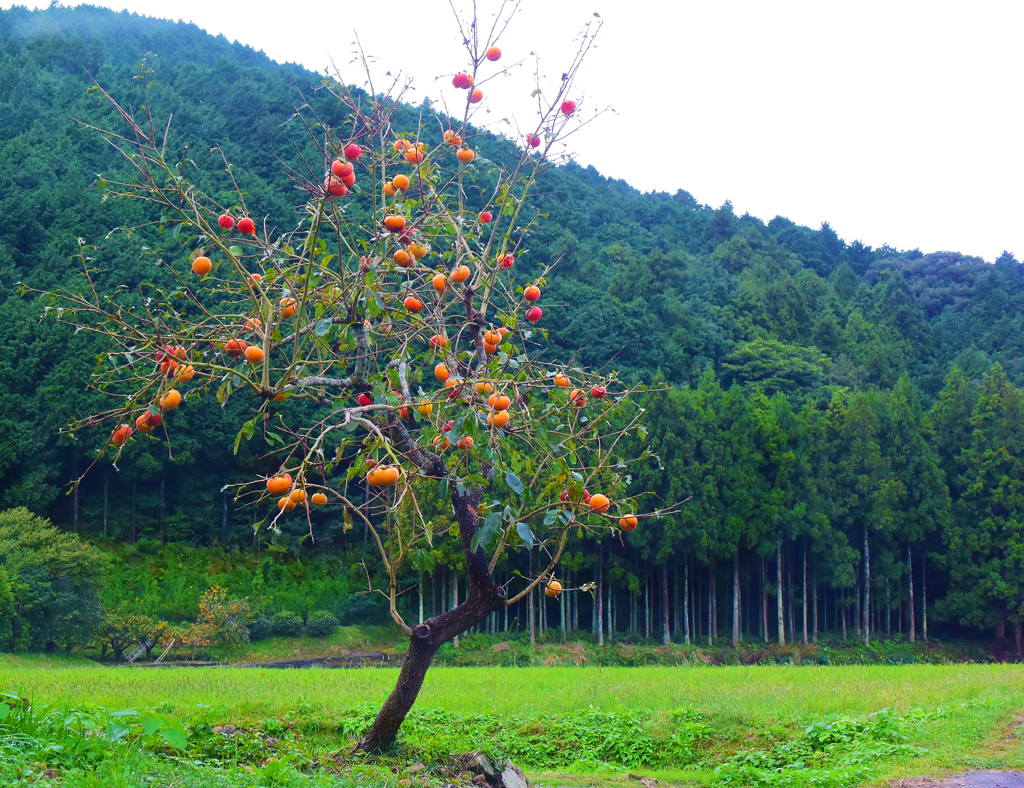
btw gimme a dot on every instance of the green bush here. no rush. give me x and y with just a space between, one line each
287 624
261 627
321 624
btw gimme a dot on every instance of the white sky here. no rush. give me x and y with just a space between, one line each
896 121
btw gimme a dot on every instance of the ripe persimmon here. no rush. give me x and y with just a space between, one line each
499 402
400 182
413 156
235 347
461 274
395 222
286 504
439 282
627 522
185 374
287 307
246 226
413 304
254 354
453 139
492 54
383 476
531 293
561 381
170 400
498 419
492 337
465 442
298 495
318 499
599 503
483 387
476 96
403 258
418 251
425 409
389 189
121 434
465 155
279 484
438 341
202 266
441 372
553 588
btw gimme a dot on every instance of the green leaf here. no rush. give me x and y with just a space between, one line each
175 737
525 533
245 433
322 327
150 723
442 488
513 482
5 712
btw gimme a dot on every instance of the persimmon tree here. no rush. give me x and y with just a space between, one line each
393 335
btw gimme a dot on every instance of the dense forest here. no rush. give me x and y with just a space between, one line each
847 420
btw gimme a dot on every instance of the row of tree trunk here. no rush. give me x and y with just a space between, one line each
681 603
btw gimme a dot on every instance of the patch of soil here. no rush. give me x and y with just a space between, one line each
968 780
358 660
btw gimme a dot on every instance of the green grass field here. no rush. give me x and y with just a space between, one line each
568 723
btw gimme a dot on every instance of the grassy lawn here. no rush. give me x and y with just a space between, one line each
570 725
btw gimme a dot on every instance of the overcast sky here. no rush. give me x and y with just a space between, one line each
897 122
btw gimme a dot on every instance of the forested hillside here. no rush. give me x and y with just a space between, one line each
849 421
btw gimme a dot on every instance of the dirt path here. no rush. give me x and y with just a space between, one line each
968 780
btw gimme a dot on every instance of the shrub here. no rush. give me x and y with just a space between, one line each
261 627
287 624
321 624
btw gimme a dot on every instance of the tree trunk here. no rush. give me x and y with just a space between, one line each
814 592
74 505
924 600
711 604
714 601
163 508
888 609
1017 636
482 598
911 624
421 598
778 579
1000 631
803 599
686 601
106 480
764 600
789 597
224 522
599 601
666 635
455 600
736 599
867 589
135 530
529 604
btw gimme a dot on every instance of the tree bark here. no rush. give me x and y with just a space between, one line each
666 635
529 606
686 601
711 604
867 588
163 508
599 600
911 625
736 599
803 599
106 480
814 592
224 522
764 600
74 506
778 579
924 600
